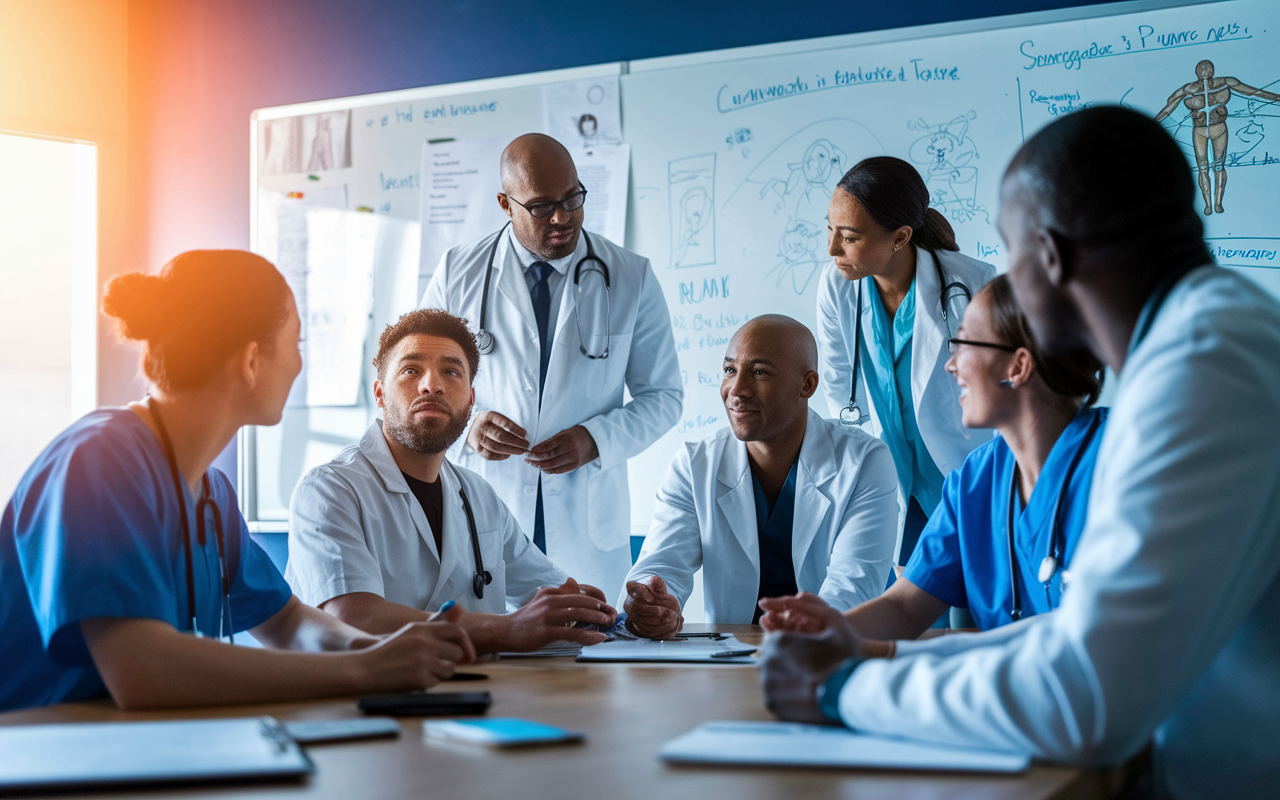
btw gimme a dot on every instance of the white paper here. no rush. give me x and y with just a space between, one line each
789 744
699 650
311 143
340 259
583 114
604 171
460 184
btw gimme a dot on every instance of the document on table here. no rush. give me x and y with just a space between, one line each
82 755
703 651
789 744
552 650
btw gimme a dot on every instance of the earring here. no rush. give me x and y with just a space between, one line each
1009 383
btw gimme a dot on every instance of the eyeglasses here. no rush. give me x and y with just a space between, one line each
953 343
543 210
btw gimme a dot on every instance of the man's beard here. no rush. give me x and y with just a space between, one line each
431 435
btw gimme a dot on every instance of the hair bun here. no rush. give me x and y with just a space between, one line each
134 300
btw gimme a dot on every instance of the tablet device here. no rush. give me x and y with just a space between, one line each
317 731
426 704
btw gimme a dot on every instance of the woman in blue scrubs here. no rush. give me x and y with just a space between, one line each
124 562
894 294
1027 489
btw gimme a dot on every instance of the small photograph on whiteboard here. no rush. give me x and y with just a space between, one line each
604 171
583 114
691 183
308 144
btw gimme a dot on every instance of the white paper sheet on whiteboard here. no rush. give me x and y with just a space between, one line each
789 744
603 171
583 114
460 184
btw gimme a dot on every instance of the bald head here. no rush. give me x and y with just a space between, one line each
538 172
770 372
533 162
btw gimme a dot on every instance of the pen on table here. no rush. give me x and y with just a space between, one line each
712 635
443 609
733 653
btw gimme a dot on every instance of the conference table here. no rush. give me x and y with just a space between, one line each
627 711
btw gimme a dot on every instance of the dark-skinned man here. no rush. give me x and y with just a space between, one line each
1169 630
780 500
573 320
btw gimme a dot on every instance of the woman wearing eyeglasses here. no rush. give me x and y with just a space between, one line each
1001 540
894 295
124 561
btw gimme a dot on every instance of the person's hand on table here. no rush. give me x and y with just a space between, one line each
564 452
496 438
551 615
651 611
418 656
805 641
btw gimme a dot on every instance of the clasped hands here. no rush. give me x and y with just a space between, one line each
497 438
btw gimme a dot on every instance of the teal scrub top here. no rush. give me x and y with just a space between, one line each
889 384
94 530
774 525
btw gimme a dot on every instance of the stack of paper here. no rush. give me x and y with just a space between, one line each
728 650
559 648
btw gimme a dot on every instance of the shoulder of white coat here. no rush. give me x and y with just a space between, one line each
849 442
973 272
1224 303
612 253
347 467
707 452
835 287
461 252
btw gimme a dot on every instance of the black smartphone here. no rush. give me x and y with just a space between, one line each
426 704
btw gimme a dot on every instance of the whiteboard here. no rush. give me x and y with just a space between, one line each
363 155
735 154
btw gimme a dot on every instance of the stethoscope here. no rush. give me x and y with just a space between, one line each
206 502
1056 555
484 339
852 414
482 578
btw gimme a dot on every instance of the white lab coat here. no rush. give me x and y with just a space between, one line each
1171 622
934 394
587 511
842 536
354 526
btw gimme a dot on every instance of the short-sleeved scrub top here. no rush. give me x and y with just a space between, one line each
93 530
962 557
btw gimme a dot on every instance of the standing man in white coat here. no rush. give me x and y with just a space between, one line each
567 321
892 297
780 501
389 530
1169 631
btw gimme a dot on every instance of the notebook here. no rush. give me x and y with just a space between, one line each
789 744
93 754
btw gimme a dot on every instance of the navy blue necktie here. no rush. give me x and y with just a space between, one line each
540 294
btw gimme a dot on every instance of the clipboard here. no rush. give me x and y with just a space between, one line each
111 754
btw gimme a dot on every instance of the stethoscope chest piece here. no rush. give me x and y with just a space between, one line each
484 342
1047 567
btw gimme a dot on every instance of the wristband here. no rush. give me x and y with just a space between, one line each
828 693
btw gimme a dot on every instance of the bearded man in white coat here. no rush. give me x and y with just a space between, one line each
782 500
1169 630
567 321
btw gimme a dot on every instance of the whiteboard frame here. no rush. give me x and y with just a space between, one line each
247 450
247 446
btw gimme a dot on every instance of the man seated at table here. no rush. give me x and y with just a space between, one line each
389 529
780 501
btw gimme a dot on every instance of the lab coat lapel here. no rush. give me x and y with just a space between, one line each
374 446
928 332
736 498
817 467
457 545
511 284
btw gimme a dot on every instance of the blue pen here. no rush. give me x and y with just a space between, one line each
443 609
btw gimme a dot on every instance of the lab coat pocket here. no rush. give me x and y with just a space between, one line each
608 506
603 378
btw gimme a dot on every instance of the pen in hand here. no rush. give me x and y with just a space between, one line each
444 609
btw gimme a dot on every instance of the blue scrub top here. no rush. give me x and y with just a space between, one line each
962 557
889 383
774 522
93 530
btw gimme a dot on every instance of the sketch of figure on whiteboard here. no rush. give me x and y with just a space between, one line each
1206 99
782 203
691 186
946 153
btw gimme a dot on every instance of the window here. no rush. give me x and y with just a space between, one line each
48 294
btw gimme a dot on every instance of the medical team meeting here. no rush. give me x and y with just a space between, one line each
943 458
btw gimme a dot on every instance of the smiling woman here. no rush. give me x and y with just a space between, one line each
48 361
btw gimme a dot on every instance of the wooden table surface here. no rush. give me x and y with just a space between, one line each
627 711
